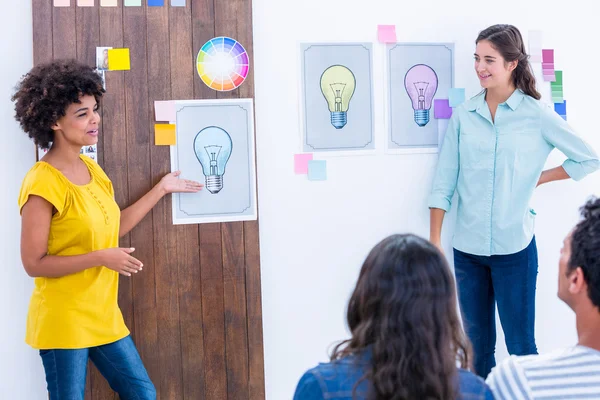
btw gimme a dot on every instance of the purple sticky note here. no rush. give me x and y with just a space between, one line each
548 56
442 109
386 33
164 111
549 76
301 163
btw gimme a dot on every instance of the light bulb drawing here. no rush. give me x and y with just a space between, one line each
337 85
421 83
213 146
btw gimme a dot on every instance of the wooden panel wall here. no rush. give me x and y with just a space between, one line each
195 310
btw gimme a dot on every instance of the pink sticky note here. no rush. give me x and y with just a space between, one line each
548 66
386 33
62 3
301 163
547 56
164 111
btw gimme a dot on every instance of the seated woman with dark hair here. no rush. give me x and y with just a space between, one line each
407 341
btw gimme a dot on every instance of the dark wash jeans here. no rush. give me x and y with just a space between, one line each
510 281
118 362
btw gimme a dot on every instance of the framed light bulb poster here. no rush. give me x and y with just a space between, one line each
417 74
337 97
215 146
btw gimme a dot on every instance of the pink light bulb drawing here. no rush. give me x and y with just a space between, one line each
421 83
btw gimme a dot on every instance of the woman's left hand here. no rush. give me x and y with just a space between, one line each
171 183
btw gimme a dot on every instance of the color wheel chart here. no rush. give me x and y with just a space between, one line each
222 63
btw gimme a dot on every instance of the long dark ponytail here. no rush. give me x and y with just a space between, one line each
508 41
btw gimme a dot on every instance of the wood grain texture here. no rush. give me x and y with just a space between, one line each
64 44
113 154
42 31
166 259
182 67
195 310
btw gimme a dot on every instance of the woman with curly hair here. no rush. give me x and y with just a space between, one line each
70 231
406 336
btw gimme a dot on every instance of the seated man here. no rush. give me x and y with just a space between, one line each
574 372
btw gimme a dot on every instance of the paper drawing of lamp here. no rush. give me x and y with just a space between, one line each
337 86
421 83
213 146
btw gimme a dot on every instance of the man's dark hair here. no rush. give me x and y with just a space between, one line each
43 95
585 248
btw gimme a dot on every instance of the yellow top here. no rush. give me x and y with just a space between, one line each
78 310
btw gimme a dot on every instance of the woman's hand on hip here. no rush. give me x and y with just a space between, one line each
119 259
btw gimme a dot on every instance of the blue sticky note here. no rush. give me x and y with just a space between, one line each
317 170
177 3
456 96
156 3
561 108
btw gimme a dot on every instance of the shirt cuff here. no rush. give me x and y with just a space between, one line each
578 171
438 201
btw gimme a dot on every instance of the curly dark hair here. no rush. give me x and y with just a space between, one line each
44 93
585 248
403 310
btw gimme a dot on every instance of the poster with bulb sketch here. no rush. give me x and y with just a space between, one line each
337 97
417 74
215 146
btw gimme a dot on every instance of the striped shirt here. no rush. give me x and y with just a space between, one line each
572 373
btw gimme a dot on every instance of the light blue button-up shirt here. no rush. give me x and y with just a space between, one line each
494 167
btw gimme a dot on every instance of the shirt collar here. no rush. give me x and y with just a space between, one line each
479 100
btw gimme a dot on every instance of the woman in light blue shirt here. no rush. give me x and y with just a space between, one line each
493 157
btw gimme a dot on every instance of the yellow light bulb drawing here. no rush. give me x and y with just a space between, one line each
337 85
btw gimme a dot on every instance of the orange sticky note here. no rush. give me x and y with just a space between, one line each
118 60
164 135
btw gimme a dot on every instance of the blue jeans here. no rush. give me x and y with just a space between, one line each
118 362
509 280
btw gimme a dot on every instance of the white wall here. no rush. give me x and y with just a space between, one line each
315 235
21 372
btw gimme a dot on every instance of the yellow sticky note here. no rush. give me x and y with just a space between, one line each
118 60
164 135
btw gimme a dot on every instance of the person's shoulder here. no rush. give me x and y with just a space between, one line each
565 356
41 170
43 176
308 387
338 376
45 181
473 386
538 106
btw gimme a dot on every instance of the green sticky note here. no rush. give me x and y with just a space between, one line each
559 77
133 3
